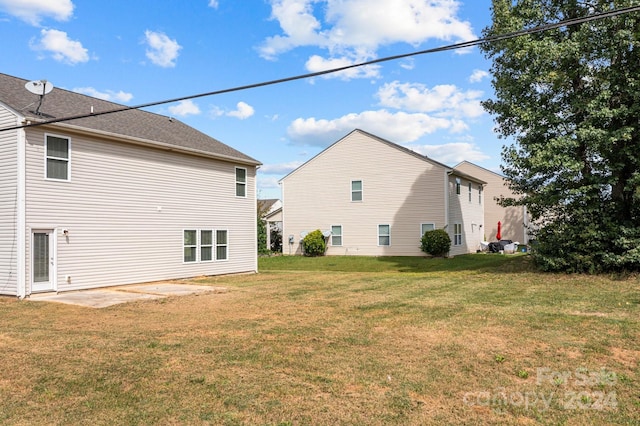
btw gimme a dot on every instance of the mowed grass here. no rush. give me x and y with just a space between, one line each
479 339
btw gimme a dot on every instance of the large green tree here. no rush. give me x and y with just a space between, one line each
569 99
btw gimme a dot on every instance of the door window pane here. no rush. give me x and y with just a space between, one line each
40 257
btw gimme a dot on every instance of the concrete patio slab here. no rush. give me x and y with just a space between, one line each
101 298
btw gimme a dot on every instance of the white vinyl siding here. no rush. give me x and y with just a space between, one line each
127 207
424 227
384 235
356 190
402 190
8 205
513 218
336 235
57 157
241 182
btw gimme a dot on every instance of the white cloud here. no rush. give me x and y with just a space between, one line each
242 112
451 153
184 108
400 127
442 100
61 47
268 186
477 76
213 4
33 11
317 63
357 28
107 95
280 169
162 50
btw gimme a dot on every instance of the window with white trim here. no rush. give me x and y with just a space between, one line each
206 245
222 245
384 235
356 190
199 245
424 227
190 243
479 194
336 235
458 186
57 157
469 191
241 182
457 234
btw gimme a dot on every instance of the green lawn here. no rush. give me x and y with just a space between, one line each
479 339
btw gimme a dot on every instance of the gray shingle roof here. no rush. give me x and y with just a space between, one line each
142 125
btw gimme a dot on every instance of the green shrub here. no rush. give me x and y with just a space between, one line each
314 244
436 243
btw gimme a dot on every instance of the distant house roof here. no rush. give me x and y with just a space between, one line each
266 204
449 170
135 125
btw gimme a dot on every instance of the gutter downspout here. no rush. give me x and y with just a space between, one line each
21 212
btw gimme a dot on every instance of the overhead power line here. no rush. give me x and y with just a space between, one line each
462 45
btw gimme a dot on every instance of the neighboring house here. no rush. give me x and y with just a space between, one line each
271 212
115 199
514 220
374 197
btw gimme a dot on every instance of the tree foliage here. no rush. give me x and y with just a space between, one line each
569 98
436 242
314 244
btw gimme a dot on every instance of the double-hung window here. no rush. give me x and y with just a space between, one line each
336 235
222 245
479 194
57 152
356 190
384 235
206 245
457 234
190 242
469 191
458 186
241 182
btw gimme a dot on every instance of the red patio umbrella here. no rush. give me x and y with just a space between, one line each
499 234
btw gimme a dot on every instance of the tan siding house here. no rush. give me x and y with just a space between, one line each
514 220
374 198
116 199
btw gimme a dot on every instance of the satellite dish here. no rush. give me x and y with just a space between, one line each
326 234
39 87
303 234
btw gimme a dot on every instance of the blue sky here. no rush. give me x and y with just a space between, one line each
140 51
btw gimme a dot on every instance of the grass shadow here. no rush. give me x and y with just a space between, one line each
480 262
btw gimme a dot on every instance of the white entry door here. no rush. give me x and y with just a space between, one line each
43 260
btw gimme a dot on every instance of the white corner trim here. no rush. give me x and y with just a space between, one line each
21 212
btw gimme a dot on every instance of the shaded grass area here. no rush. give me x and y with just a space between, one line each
462 344
473 262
